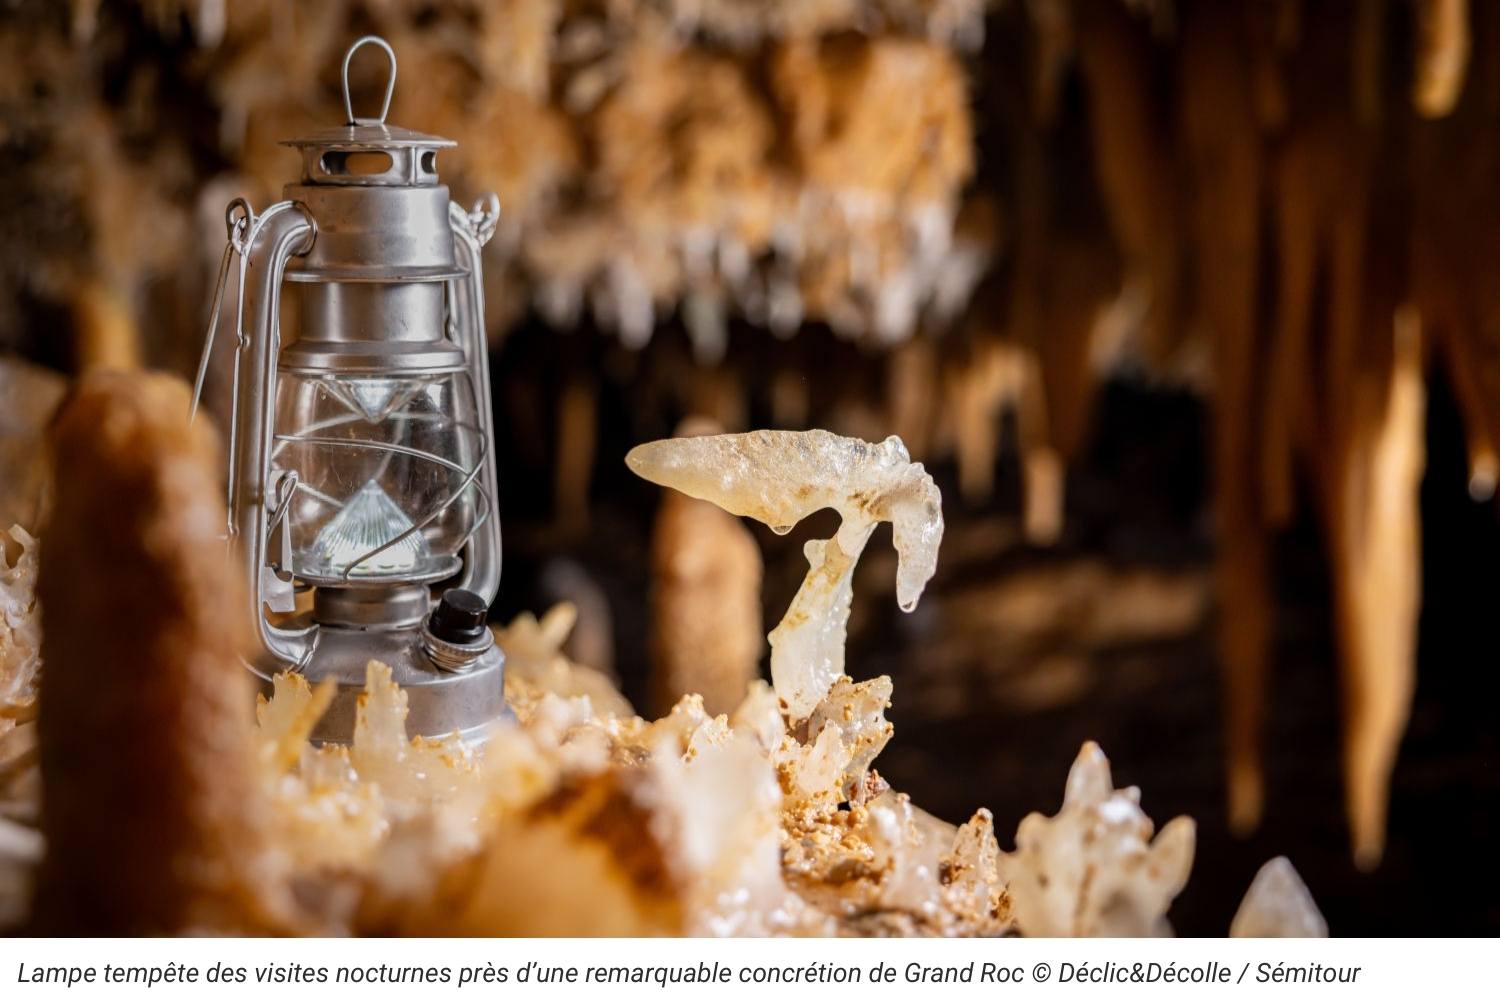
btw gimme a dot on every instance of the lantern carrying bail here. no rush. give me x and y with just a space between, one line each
390 83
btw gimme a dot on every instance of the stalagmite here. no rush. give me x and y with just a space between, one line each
145 699
107 333
577 431
706 633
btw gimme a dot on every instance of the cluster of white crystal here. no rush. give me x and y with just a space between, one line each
20 625
1278 904
1093 870
21 845
581 817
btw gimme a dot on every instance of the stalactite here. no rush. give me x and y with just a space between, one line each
1377 531
976 391
1133 163
1442 55
912 394
1223 149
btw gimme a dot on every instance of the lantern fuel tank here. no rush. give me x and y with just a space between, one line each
362 448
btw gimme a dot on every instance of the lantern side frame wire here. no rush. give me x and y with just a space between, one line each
348 418
472 229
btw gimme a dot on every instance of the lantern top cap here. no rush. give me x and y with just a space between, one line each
369 135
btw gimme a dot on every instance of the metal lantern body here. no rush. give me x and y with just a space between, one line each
362 451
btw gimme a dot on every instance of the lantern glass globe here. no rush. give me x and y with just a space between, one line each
385 471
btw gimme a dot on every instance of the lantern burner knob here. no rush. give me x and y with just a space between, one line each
459 616
455 634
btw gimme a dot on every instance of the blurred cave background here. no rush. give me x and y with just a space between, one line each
1185 304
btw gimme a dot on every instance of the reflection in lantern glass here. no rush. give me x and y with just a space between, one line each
374 398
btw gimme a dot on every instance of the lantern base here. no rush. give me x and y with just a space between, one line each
439 703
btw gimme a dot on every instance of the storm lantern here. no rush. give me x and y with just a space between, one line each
361 449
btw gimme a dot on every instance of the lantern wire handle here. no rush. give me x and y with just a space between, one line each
390 84
237 219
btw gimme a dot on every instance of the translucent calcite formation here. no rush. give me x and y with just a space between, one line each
779 478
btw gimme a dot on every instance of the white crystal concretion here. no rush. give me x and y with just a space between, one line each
1278 904
779 478
1094 869
20 621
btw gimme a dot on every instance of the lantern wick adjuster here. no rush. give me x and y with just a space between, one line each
390 84
455 634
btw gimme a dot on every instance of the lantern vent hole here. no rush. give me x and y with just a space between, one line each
346 163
